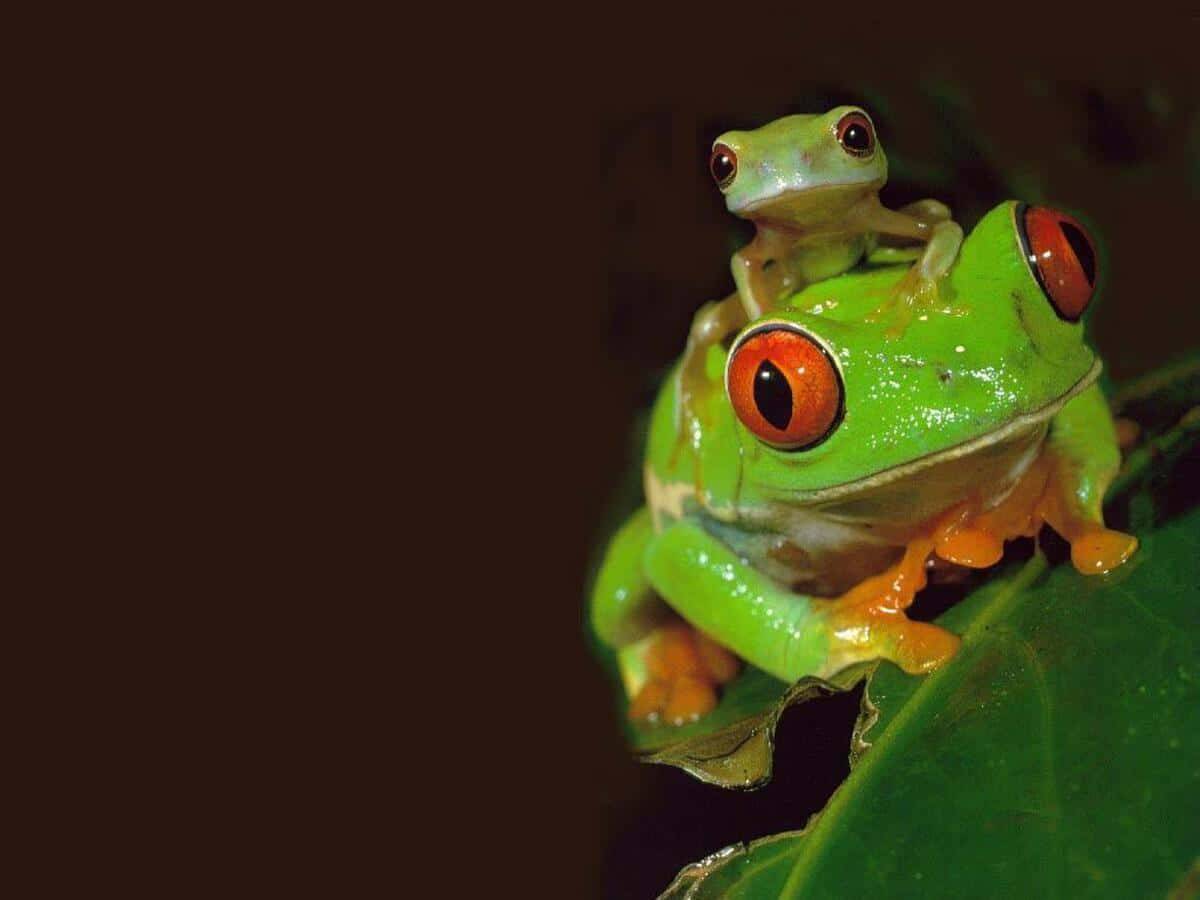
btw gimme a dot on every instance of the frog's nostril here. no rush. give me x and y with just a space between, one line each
1061 257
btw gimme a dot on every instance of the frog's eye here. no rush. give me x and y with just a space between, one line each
723 165
856 134
784 386
1061 257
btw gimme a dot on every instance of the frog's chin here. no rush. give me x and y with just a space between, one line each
1011 430
808 205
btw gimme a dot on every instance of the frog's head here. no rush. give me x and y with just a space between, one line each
822 398
799 168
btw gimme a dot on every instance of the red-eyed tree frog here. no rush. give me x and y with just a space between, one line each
810 184
838 462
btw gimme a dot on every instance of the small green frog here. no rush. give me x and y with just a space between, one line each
840 465
810 184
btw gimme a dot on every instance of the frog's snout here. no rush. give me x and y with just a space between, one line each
1060 255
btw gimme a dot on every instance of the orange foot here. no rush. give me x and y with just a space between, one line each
1095 551
1043 495
868 621
684 667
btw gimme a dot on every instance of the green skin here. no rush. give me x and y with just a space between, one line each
816 211
960 403
816 207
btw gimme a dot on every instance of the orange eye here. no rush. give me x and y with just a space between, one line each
723 165
784 387
1061 256
856 134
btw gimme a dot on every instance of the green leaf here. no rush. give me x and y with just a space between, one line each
1057 756
734 745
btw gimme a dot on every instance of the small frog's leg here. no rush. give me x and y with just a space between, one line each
757 292
917 290
748 268
715 320
787 634
712 323
928 210
1084 458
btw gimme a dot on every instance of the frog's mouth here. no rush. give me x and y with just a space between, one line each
1009 431
808 205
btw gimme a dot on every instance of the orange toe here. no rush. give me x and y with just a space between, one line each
920 647
650 701
972 547
1101 551
690 699
674 654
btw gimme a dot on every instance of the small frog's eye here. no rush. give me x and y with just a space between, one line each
723 165
856 134
784 386
1061 256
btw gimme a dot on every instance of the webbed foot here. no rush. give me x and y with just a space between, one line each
1044 494
683 668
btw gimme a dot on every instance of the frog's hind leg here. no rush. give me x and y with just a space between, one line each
917 291
712 323
669 669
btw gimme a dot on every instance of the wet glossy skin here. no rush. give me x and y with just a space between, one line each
952 376
977 424
794 171
810 184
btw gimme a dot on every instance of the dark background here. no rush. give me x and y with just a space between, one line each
625 236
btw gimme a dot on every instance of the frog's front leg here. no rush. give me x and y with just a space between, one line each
749 266
1083 458
1063 488
787 634
927 210
928 221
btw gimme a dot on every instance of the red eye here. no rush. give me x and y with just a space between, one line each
784 387
856 134
723 165
1061 256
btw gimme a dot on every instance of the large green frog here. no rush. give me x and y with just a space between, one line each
839 463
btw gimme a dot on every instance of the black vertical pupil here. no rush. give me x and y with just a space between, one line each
856 137
722 166
1083 250
773 395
